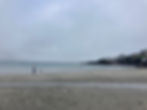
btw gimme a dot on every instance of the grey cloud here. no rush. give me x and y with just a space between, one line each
79 30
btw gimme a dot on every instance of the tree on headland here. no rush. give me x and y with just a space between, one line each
137 59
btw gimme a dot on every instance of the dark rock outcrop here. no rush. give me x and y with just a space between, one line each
138 59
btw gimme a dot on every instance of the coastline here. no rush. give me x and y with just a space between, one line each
131 75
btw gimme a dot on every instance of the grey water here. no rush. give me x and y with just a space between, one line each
27 67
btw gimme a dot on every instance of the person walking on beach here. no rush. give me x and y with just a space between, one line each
34 70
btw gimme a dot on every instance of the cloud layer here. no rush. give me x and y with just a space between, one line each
75 30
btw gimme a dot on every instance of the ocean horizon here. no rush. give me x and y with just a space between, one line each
53 67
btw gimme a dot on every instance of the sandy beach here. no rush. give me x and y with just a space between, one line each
90 90
124 75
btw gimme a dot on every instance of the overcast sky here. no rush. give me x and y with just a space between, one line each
71 30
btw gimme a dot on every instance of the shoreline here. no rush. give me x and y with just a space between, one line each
134 75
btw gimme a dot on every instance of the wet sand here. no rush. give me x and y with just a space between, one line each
133 75
91 90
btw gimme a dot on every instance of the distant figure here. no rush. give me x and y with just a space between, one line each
34 70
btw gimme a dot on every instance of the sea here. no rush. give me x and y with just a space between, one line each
49 68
